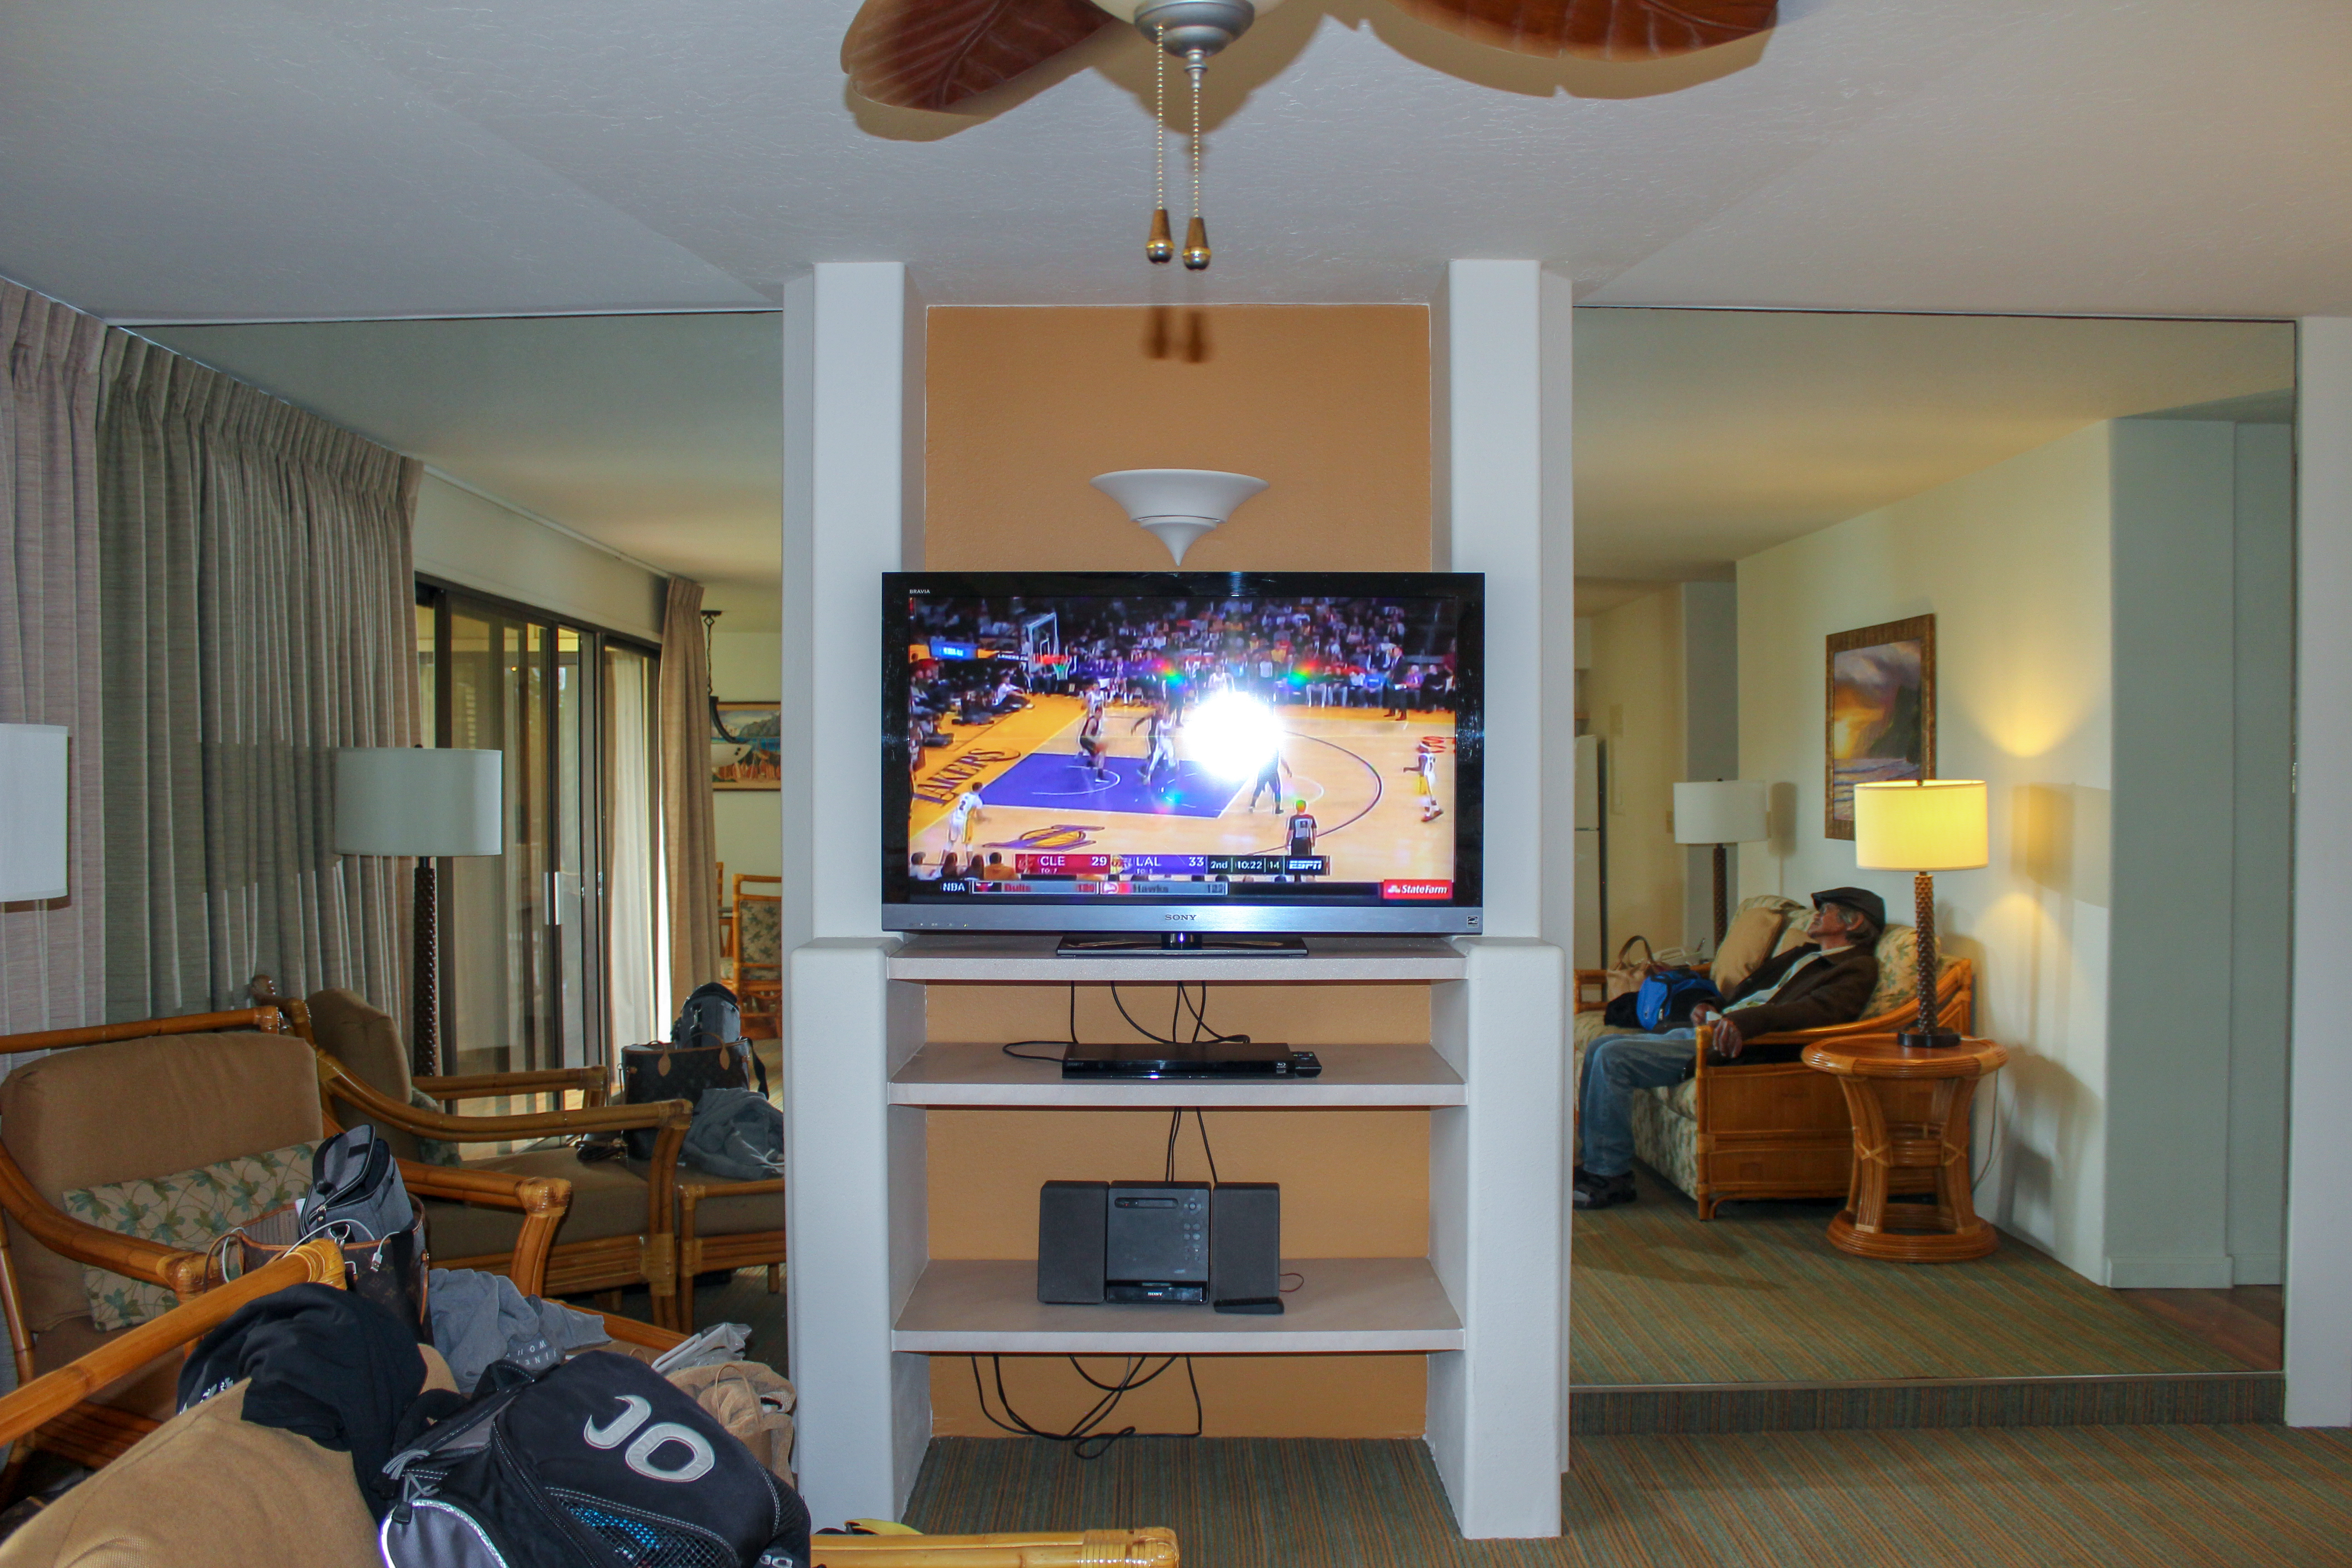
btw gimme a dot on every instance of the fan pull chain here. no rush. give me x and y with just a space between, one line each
1196 236
1161 246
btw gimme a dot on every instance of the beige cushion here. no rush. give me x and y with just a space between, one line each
736 1216
1748 941
363 1037
608 1199
191 1099
208 1490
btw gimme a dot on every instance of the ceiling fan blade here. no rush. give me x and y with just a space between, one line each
933 54
1599 29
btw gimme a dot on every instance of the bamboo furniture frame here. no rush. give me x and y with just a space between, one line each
573 1267
45 1399
1781 1130
1147 1548
752 1249
93 1434
1899 1131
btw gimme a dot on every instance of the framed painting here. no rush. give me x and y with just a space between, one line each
1882 711
746 745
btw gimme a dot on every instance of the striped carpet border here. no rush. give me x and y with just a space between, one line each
2194 1399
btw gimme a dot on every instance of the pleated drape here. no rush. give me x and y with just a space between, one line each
689 839
258 611
52 953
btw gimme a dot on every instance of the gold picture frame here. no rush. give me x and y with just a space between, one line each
1879 713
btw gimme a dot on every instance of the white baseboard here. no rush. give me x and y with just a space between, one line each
2258 1268
2199 1271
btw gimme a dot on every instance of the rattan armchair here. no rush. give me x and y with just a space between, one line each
222 1084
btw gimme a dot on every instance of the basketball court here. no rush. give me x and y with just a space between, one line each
1354 769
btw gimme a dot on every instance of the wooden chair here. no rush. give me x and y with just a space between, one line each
214 1086
1779 1129
52 1396
620 1227
759 931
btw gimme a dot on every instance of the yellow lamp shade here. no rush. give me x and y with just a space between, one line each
1937 825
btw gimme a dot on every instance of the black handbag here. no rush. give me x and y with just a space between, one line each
653 1073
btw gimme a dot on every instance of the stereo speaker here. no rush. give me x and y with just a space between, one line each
1245 1247
1071 1229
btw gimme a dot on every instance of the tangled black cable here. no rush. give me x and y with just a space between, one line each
1087 1439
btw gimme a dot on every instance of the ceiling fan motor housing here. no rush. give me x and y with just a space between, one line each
1194 26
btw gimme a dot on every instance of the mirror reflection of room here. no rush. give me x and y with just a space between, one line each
1932 682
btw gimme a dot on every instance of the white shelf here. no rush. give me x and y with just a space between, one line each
1353 1077
990 1307
952 958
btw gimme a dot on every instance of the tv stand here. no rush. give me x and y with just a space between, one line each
1181 944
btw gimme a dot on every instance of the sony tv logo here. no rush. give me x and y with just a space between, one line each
1179 918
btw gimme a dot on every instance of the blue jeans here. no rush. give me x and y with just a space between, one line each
1614 1067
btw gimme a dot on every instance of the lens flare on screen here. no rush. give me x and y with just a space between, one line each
1233 736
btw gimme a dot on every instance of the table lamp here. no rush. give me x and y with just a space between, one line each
1726 811
1923 827
33 828
425 802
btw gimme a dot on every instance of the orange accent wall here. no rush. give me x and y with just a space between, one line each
1329 404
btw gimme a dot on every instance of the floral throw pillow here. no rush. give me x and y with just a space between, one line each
191 1210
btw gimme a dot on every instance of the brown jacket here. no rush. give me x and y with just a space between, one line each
1833 991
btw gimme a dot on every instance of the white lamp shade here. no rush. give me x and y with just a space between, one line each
1729 811
408 799
1178 505
32 812
1937 825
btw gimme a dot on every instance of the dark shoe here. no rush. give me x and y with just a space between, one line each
1593 1192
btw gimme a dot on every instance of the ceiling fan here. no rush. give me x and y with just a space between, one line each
934 54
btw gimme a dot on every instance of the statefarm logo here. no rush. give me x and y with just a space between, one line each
1408 887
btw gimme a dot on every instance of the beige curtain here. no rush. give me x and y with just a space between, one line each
690 844
258 611
52 954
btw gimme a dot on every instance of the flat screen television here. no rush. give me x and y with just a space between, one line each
1164 753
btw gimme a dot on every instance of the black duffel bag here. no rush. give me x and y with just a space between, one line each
598 1463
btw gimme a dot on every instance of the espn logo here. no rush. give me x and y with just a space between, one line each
1392 888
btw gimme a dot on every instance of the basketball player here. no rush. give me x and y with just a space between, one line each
1163 744
1090 740
1269 781
968 807
1302 833
1425 779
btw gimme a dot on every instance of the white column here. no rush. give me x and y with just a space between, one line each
1497 1411
852 510
2319 1163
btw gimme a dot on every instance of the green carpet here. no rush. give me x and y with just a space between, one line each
2117 1497
1757 1295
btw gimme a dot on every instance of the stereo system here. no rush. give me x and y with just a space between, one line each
1180 1243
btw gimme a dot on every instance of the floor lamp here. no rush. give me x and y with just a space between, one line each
1722 812
1922 826
33 828
425 802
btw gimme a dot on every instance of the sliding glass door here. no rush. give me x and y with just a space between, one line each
547 950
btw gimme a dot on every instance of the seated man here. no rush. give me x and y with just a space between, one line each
1829 980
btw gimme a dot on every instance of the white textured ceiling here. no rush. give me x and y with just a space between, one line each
245 159
1703 437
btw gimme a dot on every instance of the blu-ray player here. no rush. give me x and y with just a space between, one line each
1190 1059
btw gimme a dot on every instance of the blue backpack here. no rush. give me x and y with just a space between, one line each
1667 997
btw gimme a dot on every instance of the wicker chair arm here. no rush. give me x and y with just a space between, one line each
180 1272
1955 988
318 1262
340 1082
1592 990
593 1083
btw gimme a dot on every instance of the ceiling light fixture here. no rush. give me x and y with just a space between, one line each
1178 505
1191 30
